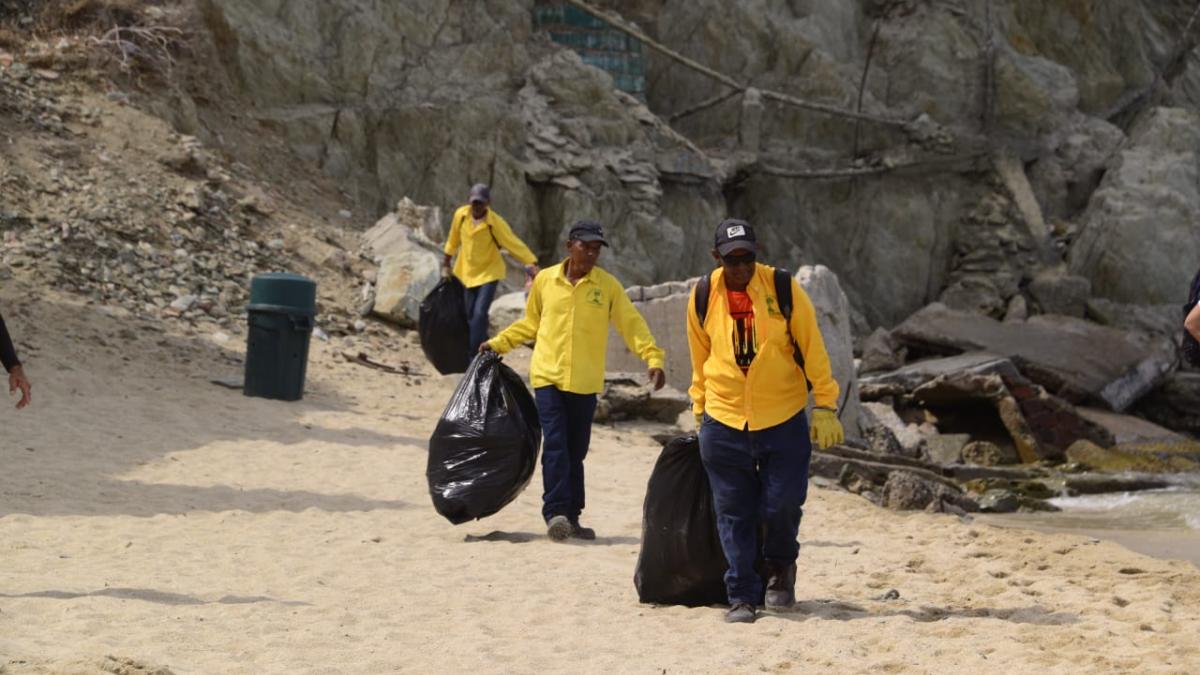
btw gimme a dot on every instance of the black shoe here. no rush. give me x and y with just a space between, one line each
781 586
558 528
580 532
742 612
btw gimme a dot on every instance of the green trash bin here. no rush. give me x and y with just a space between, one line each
280 319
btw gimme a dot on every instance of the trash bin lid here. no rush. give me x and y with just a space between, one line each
283 292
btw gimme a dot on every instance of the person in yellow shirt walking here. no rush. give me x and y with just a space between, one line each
568 312
480 233
753 354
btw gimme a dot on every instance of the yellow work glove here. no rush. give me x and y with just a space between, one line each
699 420
826 429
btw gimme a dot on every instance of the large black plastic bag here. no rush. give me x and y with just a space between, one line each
485 447
442 326
681 562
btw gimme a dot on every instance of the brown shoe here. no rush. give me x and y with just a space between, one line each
558 528
742 612
580 532
781 585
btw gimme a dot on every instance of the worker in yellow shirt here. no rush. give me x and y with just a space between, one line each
568 312
480 233
754 342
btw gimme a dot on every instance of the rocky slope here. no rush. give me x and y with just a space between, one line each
1043 98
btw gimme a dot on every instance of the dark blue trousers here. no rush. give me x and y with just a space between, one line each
566 432
757 477
477 301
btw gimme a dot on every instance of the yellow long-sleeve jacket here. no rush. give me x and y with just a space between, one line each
773 389
570 324
479 261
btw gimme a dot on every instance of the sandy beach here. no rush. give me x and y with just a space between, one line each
152 520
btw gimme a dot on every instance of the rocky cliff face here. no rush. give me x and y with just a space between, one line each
1064 130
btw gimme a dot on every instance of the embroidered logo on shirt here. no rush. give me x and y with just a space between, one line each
595 297
772 310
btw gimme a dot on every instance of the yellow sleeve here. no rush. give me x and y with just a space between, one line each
699 344
807 334
524 329
510 242
632 326
454 239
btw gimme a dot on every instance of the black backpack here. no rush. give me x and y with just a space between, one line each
783 293
1189 346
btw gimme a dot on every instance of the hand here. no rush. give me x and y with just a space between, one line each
826 429
484 347
657 377
531 270
699 420
446 272
17 380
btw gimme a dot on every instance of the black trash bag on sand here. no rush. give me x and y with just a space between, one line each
485 447
442 325
681 561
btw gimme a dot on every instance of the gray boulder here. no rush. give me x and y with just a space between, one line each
1059 293
405 279
627 396
1175 405
505 310
1139 243
833 319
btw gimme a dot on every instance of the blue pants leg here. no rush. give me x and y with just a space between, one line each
477 301
756 477
566 420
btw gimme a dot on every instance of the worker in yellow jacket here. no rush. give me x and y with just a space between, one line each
568 312
749 394
480 233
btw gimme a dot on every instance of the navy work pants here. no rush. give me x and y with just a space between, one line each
477 301
757 477
566 431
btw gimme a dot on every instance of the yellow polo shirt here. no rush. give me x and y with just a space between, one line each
479 261
570 324
772 390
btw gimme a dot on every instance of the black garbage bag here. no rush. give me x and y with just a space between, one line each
485 447
681 561
442 325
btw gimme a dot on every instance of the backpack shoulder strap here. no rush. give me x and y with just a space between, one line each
703 289
783 295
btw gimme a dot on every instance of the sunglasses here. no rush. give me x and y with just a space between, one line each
740 259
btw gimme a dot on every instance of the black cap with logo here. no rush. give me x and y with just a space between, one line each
733 234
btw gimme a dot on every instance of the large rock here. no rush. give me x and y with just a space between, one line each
1058 293
1175 405
404 280
1138 457
1072 358
1129 429
628 396
833 320
886 433
505 310
1139 242
1065 180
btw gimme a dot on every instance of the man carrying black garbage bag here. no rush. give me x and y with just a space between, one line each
569 309
754 341
477 233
